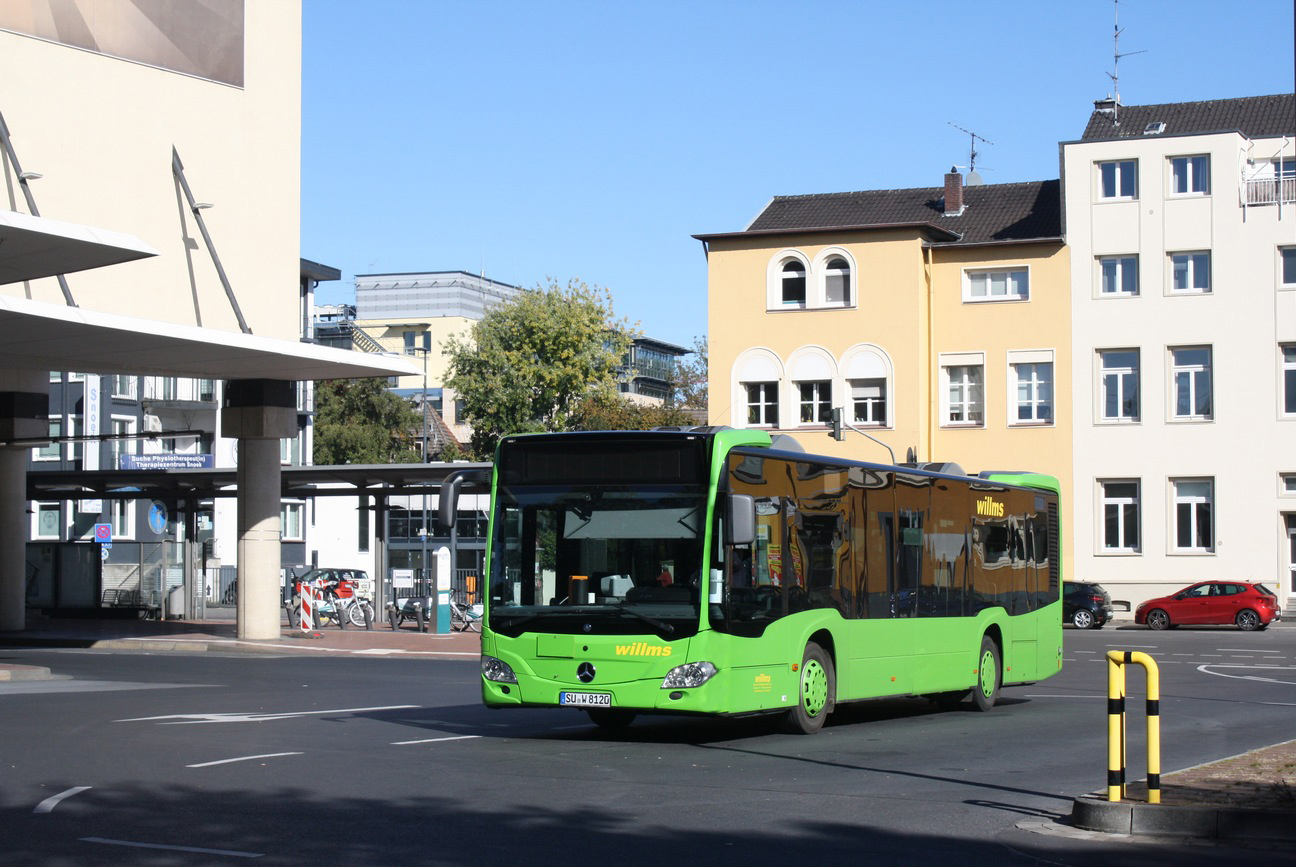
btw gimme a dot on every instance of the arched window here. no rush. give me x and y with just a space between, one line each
794 283
837 282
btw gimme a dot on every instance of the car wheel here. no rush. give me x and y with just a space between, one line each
1158 619
1247 620
1082 619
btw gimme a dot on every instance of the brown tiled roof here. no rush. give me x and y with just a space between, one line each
992 212
1253 116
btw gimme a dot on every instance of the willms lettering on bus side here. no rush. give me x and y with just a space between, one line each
989 507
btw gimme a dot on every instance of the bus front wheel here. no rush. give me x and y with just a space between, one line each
989 677
816 693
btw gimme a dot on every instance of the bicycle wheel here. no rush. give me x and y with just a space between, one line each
356 613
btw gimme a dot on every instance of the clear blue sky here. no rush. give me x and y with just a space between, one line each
529 140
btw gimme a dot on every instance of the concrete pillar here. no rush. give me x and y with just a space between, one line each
24 414
259 487
259 412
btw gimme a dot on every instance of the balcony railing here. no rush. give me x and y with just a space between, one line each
1269 191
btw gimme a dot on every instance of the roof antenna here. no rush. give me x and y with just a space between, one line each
1116 56
973 178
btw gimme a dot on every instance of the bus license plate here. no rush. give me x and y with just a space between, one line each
585 699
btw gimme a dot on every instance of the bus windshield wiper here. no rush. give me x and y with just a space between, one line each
651 621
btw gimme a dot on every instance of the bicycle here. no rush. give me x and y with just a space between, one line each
464 617
336 604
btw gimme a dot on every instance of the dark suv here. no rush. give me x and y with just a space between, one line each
1085 605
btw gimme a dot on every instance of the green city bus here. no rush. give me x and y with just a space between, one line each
724 572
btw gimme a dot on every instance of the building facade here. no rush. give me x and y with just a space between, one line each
936 318
1181 219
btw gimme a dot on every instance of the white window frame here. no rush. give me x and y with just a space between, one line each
764 407
121 514
1195 265
1040 398
1287 392
131 389
1287 484
1190 375
788 274
819 403
53 450
1121 265
1194 502
292 529
774 280
1286 257
1190 175
1119 375
122 424
1123 504
42 507
1016 282
1120 168
956 370
821 273
873 405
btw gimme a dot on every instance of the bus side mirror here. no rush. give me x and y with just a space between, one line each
448 500
740 519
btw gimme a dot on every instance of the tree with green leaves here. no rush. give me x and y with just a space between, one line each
527 365
690 386
358 421
611 412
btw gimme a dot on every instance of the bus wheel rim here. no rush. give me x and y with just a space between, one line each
987 674
814 689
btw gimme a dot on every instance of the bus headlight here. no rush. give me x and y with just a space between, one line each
497 670
689 674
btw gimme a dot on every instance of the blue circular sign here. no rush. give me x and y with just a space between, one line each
157 517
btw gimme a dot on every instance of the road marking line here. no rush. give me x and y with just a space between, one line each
48 805
243 759
234 853
435 740
188 718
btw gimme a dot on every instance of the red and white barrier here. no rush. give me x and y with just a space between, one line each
306 593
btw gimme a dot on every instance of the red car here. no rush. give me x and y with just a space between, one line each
1248 606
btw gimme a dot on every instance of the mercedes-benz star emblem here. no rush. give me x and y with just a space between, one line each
585 671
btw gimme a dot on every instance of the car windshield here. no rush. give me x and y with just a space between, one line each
596 560
1260 588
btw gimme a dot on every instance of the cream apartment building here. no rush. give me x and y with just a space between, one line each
1181 220
936 318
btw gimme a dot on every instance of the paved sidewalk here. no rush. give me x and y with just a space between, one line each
219 633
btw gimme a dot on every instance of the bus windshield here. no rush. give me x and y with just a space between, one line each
597 559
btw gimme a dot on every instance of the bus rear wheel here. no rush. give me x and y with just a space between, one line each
816 692
989 675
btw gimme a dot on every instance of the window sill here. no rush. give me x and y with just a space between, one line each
1117 422
1118 552
1030 424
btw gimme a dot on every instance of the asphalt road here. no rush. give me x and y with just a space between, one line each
157 759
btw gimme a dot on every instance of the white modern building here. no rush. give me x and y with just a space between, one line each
1181 220
149 245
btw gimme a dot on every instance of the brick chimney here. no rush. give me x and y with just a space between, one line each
953 193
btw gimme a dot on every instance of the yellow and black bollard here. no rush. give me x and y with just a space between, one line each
1116 660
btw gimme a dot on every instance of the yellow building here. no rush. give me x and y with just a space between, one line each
937 319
